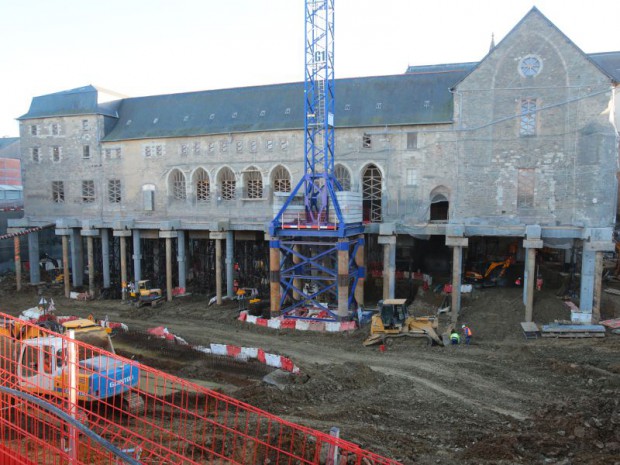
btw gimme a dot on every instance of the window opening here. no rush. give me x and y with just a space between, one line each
371 191
179 191
254 183
343 176
114 190
88 191
58 191
528 117
203 186
281 180
367 141
227 184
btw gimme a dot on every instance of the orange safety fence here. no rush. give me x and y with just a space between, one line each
127 412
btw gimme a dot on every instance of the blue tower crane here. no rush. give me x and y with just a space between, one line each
316 246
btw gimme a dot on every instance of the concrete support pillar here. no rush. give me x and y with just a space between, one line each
169 269
137 256
361 267
65 265
18 263
599 240
598 285
343 278
105 257
181 259
275 293
34 257
218 237
389 265
457 243
123 234
530 244
586 295
123 241
218 270
230 262
91 265
529 279
77 258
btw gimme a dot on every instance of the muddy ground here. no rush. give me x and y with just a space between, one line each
502 400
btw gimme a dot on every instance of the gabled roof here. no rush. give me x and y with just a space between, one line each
415 98
9 147
609 62
607 65
80 101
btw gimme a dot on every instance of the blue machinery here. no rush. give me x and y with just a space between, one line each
316 248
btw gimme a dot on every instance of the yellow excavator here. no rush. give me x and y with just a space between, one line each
393 320
493 274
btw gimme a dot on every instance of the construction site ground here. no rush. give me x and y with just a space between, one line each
501 400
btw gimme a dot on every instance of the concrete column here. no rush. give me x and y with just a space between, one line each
91 265
137 257
389 265
361 272
598 285
529 279
343 278
18 263
275 293
105 257
230 262
65 265
586 296
77 258
218 237
218 270
34 257
123 241
169 269
457 243
181 259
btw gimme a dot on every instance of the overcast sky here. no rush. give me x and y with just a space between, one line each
146 47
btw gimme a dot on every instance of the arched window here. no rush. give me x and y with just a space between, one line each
177 185
227 184
203 185
343 176
281 179
371 191
440 204
253 183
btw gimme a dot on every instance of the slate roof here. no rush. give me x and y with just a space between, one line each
80 101
371 101
609 62
9 147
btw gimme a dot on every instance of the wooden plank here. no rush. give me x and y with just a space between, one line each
610 290
572 335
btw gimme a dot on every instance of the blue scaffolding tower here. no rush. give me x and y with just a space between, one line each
320 246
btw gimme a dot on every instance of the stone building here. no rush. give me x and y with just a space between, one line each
520 147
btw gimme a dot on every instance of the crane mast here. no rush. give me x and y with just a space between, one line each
314 248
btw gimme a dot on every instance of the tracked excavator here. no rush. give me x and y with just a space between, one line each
393 320
492 276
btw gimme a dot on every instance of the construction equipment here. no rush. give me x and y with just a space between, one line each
493 275
36 360
144 294
393 320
